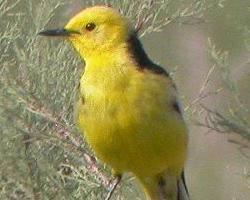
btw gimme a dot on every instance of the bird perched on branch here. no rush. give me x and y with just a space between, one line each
128 108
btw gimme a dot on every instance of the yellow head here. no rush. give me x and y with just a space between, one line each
95 30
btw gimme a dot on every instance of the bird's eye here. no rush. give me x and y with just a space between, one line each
90 26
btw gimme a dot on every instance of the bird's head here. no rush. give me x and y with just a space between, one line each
95 30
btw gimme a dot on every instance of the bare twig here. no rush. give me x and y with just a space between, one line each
217 122
93 168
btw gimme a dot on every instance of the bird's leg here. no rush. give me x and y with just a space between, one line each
114 185
167 187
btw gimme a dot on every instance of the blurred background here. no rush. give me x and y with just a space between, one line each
206 49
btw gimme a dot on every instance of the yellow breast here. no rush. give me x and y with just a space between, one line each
128 118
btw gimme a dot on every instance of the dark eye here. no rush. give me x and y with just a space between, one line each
90 26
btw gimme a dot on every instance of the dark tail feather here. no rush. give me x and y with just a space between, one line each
182 188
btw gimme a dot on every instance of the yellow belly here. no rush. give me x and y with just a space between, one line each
133 128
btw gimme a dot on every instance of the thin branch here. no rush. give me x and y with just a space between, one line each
217 122
31 162
114 185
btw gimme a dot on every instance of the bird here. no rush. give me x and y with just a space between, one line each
128 109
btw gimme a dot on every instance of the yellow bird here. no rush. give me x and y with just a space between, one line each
128 108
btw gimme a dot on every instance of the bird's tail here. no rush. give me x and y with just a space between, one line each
162 187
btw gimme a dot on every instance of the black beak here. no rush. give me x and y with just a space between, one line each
58 32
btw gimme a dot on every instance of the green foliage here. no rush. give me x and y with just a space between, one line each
234 117
42 154
237 115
